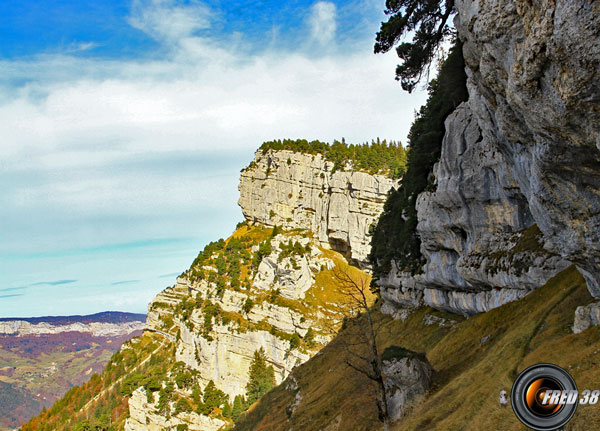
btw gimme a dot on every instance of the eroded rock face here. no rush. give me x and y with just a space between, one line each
476 231
292 276
517 194
144 416
407 380
295 190
534 86
225 352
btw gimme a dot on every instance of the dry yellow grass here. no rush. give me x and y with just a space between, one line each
469 374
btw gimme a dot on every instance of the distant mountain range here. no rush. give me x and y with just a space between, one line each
103 317
43 357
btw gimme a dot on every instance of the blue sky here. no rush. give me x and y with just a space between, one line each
124 125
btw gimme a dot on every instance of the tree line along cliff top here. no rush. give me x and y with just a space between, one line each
377 157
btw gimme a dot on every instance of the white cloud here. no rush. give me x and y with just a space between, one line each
322 21
169 20
72 138
96 151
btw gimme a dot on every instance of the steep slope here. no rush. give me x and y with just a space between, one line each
267 291
474 359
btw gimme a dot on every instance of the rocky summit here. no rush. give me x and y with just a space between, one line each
298 190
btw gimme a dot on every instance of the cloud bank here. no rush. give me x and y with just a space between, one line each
102 150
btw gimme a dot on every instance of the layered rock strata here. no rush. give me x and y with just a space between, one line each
302 191
97 329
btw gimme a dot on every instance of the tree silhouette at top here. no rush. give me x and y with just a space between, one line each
428 19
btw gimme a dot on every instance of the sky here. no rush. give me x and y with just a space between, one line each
124 126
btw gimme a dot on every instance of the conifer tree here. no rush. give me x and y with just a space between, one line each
262 377
239 406
428 21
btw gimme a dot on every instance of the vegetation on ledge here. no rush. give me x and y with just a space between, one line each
378 157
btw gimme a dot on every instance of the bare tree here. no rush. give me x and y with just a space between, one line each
361 342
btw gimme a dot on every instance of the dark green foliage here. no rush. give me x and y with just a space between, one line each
227 261
262 377
428 20
239 406
197 394
295 341
182 427
290 249
395 237
182 405
264 249
151 379
226 411
248 305
183 379
164 398
309 338
397 352
221 265
210 311
377 157
101 423
213 397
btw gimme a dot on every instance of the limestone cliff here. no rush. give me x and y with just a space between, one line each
517 186
260 289
297 190
265 288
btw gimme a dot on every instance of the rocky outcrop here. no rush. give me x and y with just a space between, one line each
302 191
269 312
144 416
98 329
517 187
477 234
291 276
586 316
407 380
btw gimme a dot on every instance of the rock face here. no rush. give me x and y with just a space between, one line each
517 194
296 190
407 380
279 308
534 85
143 416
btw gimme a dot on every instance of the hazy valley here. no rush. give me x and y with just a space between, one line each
42 358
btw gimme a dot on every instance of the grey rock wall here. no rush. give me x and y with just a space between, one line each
517 196
534 85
